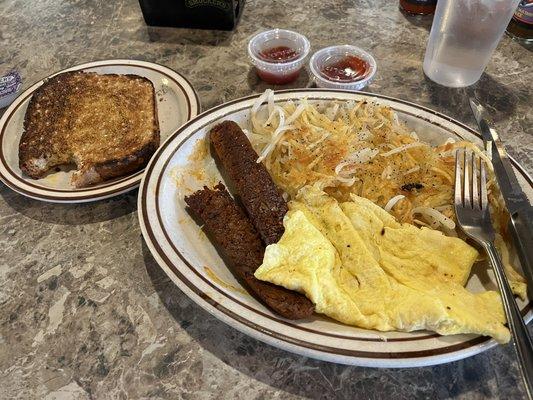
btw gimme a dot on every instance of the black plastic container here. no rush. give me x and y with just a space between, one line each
204 14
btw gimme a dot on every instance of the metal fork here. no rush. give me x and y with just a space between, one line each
472 211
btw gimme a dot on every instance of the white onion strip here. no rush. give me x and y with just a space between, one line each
392 202
261 99
341 165
402 148
438 216
346 181
300 109
270 117
267 150
270 99
357 157
276 136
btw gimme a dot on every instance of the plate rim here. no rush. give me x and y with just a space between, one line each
100 192
464 349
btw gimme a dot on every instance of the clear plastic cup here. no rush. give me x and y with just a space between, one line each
463 36
333 54
278 72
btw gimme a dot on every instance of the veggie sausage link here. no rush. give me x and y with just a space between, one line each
239 242
258 193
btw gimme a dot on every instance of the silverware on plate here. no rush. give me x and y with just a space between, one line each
520 210
472 212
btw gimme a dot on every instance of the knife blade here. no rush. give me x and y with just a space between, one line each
512 193
480 114
521 221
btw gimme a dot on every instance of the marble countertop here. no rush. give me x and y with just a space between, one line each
85 311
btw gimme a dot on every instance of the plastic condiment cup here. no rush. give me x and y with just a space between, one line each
281 72
330 55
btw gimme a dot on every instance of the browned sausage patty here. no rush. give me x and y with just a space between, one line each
258 193
239 242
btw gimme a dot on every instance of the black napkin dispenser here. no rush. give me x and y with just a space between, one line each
203 14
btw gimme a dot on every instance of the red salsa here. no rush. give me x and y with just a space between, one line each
278 79
347 69
279 54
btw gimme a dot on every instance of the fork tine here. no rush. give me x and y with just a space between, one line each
475 192
458 191
483 184
466 180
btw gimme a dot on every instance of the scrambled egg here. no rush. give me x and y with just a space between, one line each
358 265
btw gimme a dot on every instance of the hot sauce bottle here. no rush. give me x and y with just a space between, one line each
521 25
421 7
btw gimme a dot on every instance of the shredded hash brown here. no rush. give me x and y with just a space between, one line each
362 148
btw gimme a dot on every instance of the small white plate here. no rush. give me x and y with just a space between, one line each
192 262
177 103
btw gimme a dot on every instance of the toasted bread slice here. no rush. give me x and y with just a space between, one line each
104 124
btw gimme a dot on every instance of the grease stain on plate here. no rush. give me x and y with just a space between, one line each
211 274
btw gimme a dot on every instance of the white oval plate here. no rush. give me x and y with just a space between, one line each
183 252
177 103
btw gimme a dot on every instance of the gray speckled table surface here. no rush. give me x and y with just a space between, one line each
85 312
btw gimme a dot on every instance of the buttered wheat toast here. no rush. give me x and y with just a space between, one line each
104 124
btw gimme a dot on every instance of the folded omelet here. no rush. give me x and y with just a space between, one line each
358 265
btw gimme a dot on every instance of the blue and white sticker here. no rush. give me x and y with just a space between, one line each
9 87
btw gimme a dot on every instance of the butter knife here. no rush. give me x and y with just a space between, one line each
521 221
